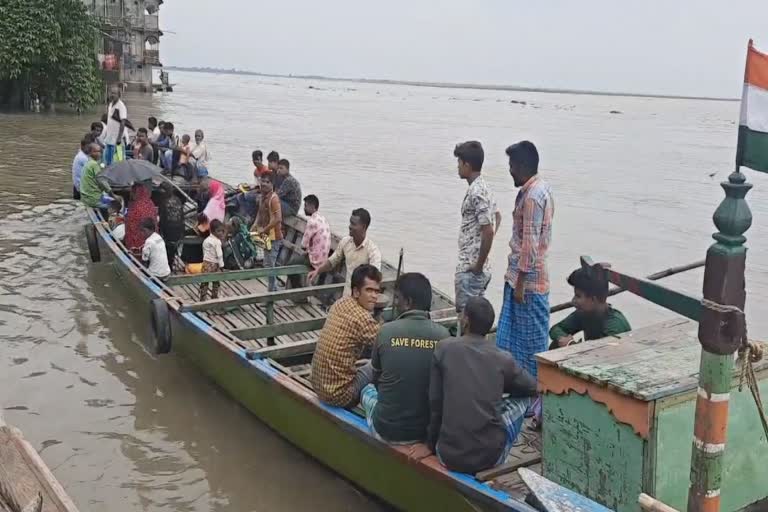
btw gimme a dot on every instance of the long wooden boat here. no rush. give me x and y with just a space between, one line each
257 345
26 483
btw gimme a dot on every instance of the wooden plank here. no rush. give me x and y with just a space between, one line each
279 329
626 343
235 275
284 350
520 461
554 498
512 484
261 298
679 302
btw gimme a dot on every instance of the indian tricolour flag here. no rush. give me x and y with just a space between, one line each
752 150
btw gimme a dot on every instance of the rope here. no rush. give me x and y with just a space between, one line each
750 352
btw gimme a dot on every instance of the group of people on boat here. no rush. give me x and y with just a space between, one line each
118 139
463 397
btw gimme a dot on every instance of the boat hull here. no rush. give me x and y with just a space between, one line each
337 438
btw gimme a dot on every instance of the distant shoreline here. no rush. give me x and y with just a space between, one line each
447 85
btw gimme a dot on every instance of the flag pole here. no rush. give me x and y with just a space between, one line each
722 330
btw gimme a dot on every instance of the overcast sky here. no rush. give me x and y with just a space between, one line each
688 47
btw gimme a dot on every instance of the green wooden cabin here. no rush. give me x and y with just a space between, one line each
619 416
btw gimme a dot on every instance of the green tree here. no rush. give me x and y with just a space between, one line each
48 47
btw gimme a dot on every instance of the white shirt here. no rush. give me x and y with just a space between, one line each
128 136
155 134
200 153
113 127
212 252
354 256
154 253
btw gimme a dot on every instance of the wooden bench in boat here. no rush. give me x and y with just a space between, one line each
236 275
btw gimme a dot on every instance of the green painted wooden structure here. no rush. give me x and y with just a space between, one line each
619 418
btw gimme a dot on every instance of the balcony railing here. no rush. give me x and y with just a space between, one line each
152 57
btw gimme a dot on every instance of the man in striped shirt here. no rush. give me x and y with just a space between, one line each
524 319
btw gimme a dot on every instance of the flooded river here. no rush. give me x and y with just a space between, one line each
125 431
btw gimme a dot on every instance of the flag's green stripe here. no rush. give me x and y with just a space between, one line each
753 149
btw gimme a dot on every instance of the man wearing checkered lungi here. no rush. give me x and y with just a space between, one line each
524 320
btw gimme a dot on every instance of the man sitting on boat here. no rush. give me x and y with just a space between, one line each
472 427
81 158
258 165
289 191
349 329
396 403
355 250
593 316
95 192
316 242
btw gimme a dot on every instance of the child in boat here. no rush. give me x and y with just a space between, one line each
593 316
213 256
184 151
153 253
116 219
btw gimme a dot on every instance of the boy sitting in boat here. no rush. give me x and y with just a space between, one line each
396 403
153 253
593 316
349 329
472 427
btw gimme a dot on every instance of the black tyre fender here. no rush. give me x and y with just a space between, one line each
160 320
93 243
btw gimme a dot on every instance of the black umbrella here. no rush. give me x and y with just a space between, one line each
128 172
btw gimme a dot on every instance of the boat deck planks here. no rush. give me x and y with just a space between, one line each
289 354
253 315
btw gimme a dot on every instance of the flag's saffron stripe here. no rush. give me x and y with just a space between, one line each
756 73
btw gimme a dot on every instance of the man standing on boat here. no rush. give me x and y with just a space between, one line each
289 191
117 114
355 250
524 320
480 218
269 222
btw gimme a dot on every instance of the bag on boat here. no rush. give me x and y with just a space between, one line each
240 251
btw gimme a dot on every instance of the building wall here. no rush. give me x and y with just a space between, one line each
129 25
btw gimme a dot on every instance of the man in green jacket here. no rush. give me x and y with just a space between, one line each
92 188
397 403
593 315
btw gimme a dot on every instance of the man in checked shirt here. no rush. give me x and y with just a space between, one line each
524 320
